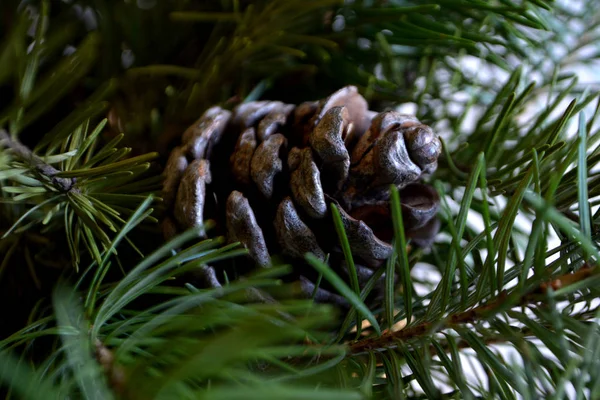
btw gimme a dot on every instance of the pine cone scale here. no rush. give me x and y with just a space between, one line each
327 141
267 163
295 237
241 158
242 227
190 200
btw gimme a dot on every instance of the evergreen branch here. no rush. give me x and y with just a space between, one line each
114 373
84 189
48 171
505 300
171 334
169 337
20 377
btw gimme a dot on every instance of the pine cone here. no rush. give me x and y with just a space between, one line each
268 171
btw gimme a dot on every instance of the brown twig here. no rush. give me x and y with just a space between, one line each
389 338
23 152
113 372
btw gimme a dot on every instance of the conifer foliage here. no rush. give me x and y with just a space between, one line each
502 303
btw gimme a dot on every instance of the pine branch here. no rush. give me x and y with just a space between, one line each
170 337
24 153
93 189
114 373
506 299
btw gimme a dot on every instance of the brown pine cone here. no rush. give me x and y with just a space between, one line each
268 171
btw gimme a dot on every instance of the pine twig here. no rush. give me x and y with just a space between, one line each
114 373
23 152
388 339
